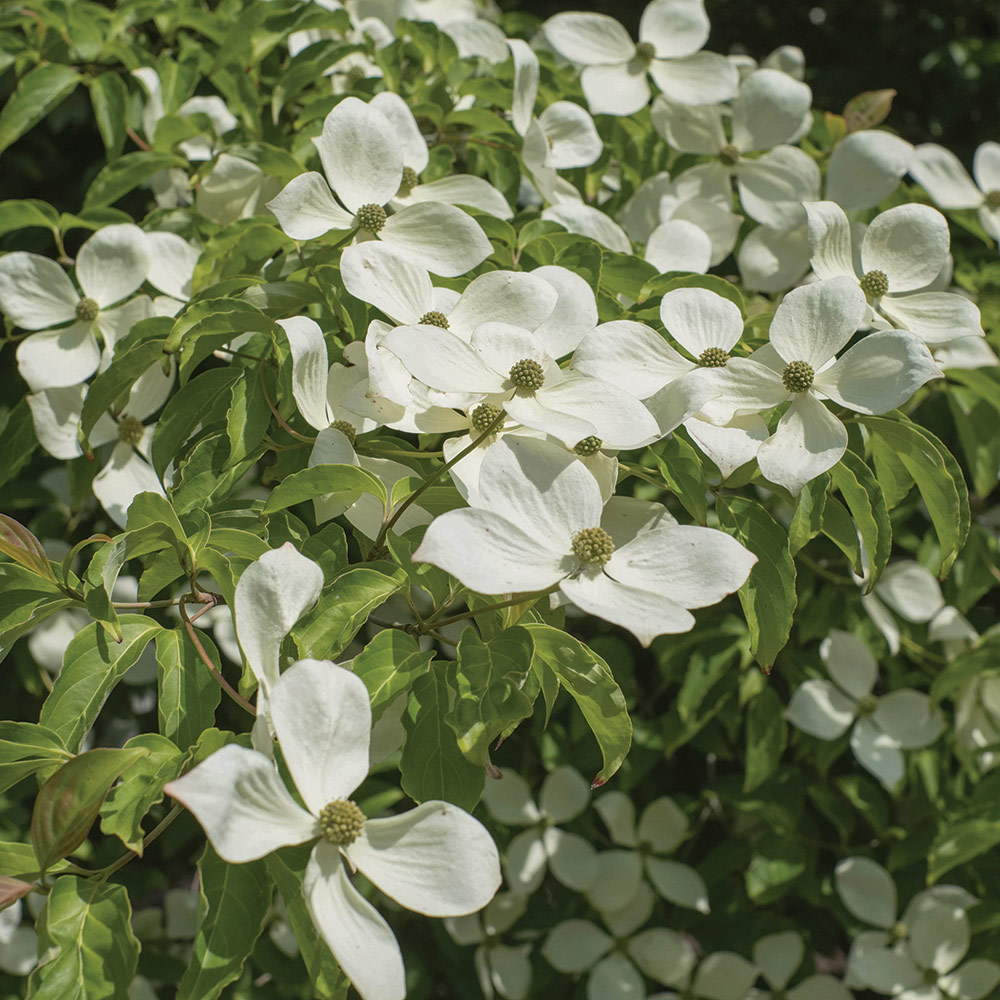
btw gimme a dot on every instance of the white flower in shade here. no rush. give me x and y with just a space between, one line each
435 859
778 956
671 32
660 830
885 726
768 113
916 957
902 251
272 594
564 795
502 969
541 523
576 216
235 189
18 944
940 172
977 718
360 150
800 364
512 363
614 960
36 294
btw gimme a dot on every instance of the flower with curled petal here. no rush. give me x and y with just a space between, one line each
435 859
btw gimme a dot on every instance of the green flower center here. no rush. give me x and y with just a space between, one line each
130 430
898 932
355 75
867 704
341 822
930 977
645 52
372 218
874 284
798 376
713 357
347 429
87 310
434 318
588 446
408 183
527 374
483 416
593 546
992 199
729 155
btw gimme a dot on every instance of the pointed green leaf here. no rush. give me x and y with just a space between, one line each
37 93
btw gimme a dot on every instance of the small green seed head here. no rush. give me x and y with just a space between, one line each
87 310
588 446
931 977
347 429
341 822
867 704
130 430
408 183
593 546
434 318
483 416
645 52
372 218
874 284
992 199
355 75
713 357
898 932
527 374
729 155
798 376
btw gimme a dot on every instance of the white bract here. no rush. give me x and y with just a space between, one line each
900 720
541 524
564 795
661 829
941 173
435 859
671 33
778 956
37 294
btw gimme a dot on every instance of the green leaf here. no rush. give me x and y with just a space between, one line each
113 383
233 901
149 509
389 665
19 544
248 416
140 789
126 174
85 942
661 284
27 748
431 765
766 735
937 475
866 502
681 467
768 596
27 213
592 686
19 440
320 480
287 868
24 603
959 842
209 323
839 528
343 608
776 864
807 521
187 693
92 666
975 420
109 97
495 690
68 803
38 92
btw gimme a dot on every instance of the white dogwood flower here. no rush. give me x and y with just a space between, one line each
778 956
671 32
541 523
435 859
940 172
882 726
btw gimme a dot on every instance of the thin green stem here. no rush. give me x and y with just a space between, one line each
207 660
510 602
397 453
640 473
104 873
277 416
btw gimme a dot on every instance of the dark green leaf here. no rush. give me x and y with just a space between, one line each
38 92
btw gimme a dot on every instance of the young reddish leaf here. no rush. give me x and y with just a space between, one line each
868 109
22 546
11 890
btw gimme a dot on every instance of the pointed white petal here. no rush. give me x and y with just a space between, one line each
772 260
509 799
57 358
124 477
773 188
305 208
820 987
590 39
442 238
510 968
572 859
850 662
818 708
525 83
271 595
572 136
310 368
768 109
618 813
630 355
723 975
574 314
908 244
442 360
877 753
934 317
698 319
565 794
815 321
464 189
886 970
866 167
779 955
113 263
940 172
586 220
679 245
242 804
615 978
716 221
574 945
380 275
911 591
513 297
525 862
940 937
679 883
619 874
55 414
662 825
829 240
701 78
689 129
674 27
974 980
353 929
405 132
664 955
36 292
172 264
986 166
907 717
730 445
